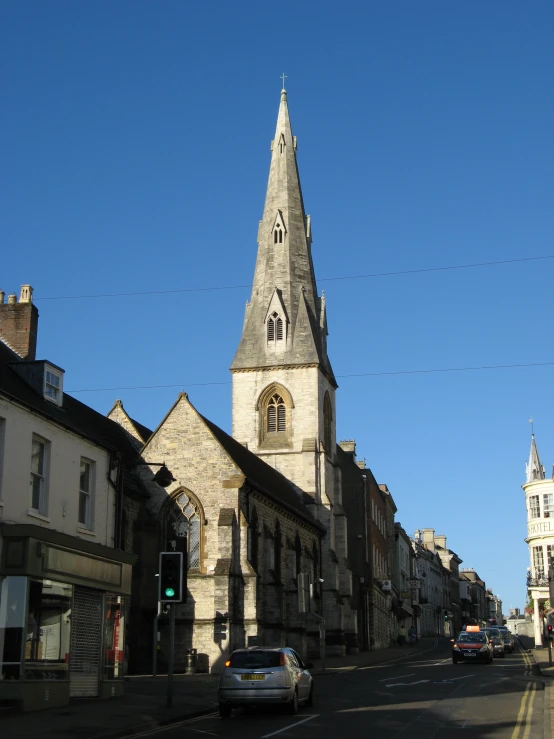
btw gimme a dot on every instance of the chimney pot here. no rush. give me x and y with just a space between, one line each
26 294
2 295
12 299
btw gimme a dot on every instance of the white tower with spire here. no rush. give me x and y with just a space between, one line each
539 501
283 383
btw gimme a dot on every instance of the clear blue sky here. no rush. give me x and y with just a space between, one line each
135 153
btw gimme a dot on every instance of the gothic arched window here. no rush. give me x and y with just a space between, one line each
275 327
298 553
182 528
275 409
276 415
277 546
327 424
253 540
278 234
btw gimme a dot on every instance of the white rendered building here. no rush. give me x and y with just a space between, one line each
539 500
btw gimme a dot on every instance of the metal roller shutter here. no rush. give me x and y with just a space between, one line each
86 621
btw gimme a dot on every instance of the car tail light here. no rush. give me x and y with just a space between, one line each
281 658
228 663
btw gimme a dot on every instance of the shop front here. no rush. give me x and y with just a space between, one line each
63 605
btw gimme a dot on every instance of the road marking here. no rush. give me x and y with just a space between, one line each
465 724
521 712
384 680
159 729
529 714
395 685
286 728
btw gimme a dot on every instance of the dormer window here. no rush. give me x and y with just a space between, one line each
53 385
275 328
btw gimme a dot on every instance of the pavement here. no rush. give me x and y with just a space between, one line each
543 662
144 703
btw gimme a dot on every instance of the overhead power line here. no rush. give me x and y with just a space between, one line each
369 275
364 374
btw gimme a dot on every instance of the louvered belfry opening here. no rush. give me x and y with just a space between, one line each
276 414
275 328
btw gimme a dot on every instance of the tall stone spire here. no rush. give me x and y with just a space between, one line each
285 321
534 468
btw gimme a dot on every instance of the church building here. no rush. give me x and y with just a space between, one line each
260 508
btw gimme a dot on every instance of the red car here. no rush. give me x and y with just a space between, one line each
473 646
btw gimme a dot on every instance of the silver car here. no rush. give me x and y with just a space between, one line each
265 675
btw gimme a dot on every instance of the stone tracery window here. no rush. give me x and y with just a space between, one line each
275 408
276 414
183 523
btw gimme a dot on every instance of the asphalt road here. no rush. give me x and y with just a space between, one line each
421 697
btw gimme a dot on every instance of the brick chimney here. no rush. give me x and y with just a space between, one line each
19 323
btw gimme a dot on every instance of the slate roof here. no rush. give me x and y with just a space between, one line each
72 414
142 431
263 477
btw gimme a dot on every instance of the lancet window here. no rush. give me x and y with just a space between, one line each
276 414
275 327
183 528
327 424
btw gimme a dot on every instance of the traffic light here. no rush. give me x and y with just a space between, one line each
220 627
549 630
170 580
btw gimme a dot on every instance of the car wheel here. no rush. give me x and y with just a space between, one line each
292 707
310 700
224 710
454 660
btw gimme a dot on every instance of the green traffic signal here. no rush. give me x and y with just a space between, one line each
169 592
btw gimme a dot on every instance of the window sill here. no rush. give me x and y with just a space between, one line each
35 514
84 530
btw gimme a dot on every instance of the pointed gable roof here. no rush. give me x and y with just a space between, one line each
534 468
287 266
262 477
266 479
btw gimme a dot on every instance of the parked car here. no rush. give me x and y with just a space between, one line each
265 675
509 639
495 635
473 646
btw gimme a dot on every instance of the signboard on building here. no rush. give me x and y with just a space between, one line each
540 527
413 583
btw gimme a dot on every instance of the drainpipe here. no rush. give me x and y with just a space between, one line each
115 461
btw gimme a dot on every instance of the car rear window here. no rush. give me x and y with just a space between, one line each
471 638
255 659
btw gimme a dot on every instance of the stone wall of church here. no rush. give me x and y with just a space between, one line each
278 620
307 387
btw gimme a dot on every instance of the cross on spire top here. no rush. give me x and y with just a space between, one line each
284 77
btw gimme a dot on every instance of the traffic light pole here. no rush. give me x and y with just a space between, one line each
155 642
171 661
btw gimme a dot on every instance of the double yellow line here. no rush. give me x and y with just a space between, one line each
522 728
528 663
